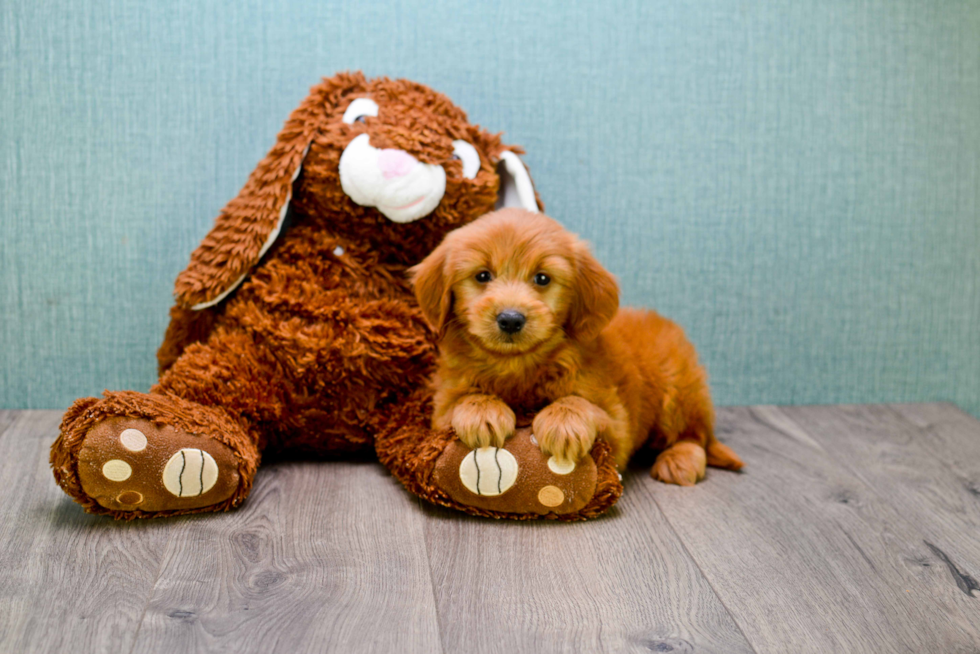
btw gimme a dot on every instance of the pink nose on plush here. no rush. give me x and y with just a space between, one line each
395 163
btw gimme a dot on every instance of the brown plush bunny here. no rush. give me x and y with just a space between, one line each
295 328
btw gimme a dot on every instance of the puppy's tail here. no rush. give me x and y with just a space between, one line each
722 456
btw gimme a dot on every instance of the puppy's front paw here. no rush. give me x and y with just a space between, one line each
483 420
567 429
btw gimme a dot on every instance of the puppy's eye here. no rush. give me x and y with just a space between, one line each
483 276
542 279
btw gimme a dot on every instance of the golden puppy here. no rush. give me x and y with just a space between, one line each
529 320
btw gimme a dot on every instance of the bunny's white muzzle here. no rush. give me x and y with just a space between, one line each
399 185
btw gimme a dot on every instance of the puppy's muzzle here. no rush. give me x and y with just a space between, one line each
510 321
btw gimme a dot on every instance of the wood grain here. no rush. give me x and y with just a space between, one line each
950 435
852 529
322 557
928 461
622 583
7 418
71 581
807 556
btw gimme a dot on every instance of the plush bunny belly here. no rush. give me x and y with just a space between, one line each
346 331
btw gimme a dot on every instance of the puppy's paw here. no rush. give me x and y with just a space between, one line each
567 429
682 464
482 421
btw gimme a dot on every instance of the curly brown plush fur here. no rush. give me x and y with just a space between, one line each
302 338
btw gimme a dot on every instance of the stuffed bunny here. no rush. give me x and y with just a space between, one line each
295 328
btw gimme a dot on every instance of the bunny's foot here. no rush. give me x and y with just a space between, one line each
135 455
516 481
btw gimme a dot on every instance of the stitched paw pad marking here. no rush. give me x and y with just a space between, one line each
551 496
560 467
130 498
488 471
133 440
190 472
117 470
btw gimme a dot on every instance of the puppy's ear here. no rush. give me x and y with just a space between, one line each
595 300
250 223
433 288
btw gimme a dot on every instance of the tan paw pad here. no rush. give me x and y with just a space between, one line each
190 472
551 496
488 471
560 467
130 498
116 470
133 440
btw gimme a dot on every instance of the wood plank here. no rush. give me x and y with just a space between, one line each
927 465
322 557
949 434
853 529
71 581
621 583
807 556
7 418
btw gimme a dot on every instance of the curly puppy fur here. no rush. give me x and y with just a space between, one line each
529 321
324 338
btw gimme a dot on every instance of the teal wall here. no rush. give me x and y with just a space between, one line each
796 182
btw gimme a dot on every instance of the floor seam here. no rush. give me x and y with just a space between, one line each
149 596
704 575
428 565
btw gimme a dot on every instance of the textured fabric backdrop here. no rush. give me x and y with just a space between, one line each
795 182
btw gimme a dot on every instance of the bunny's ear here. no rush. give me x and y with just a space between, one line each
249 224
516 187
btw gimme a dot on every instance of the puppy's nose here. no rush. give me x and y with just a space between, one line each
510 321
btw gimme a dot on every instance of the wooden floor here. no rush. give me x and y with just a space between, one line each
853 529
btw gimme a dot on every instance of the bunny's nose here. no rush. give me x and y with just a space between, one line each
510 321
395 163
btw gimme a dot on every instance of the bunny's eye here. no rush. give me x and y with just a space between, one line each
359 110
466 153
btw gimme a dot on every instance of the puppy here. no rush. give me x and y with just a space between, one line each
528 320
